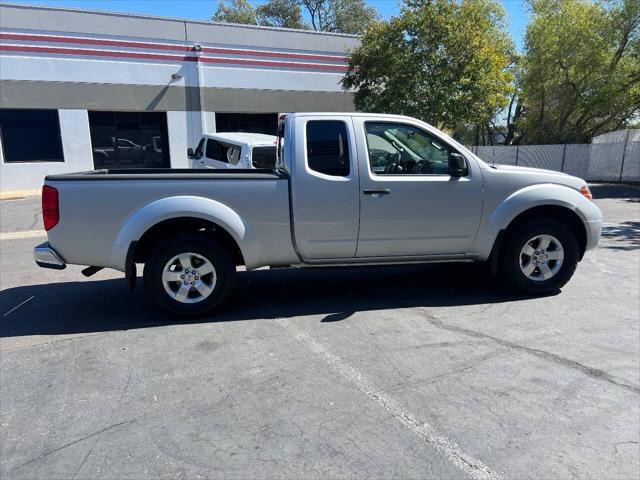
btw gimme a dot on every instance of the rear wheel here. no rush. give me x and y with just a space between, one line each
540 256
189 275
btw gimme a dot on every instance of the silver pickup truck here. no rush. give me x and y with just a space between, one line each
348 189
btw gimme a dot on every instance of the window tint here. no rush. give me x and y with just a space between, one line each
30 136
399 149
129 139
328 147
264 157
223 152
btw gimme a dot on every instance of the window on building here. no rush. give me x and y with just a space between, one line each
247 122
129 139
328 147
30 136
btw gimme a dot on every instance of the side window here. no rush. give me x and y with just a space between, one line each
399 149
223 152
328 147
216 151
263 157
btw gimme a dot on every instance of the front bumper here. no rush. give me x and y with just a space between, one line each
594 230
47 257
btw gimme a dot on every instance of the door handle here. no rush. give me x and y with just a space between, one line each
377 191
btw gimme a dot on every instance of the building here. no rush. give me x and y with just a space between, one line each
81 90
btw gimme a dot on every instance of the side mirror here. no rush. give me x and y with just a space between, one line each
457 165
190 153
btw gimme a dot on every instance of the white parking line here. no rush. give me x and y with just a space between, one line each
23 234
451 450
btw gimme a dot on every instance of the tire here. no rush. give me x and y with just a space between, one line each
530 267
189 275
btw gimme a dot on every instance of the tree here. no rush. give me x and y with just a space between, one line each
341 16
581 69
443 61
345 16
281 13
236 11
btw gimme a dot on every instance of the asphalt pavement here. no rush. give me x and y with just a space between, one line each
372 372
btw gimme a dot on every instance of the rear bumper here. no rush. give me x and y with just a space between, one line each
46 257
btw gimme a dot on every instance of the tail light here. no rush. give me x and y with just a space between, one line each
50 208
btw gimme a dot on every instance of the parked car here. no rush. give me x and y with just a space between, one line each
347 189
235 150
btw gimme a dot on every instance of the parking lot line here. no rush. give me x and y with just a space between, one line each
23 234
450 449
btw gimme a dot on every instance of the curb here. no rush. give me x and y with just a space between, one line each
16 194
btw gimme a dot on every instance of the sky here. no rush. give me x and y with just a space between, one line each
516 10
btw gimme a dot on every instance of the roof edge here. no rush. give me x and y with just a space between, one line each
173 19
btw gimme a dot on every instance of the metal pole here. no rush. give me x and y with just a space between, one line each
564 153
624 152
517 150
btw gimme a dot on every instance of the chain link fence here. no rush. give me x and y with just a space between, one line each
615 161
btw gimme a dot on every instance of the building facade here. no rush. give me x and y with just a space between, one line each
81 90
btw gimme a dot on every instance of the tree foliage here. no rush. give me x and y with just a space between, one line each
341 16
235 11
442 61
581 69
280 13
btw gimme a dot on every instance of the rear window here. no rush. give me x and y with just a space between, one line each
328 147
263 157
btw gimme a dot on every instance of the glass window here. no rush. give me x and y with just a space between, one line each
264 157
328 147
30 136
129 139
399 149
223 152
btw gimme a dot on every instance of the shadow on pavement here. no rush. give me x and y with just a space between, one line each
612 190
626 235
336 293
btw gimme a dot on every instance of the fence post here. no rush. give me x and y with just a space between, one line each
517 150
624 153
564 154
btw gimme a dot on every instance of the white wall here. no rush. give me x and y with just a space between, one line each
179 139
76 146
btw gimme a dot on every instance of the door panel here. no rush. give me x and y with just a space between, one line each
325 188
408 206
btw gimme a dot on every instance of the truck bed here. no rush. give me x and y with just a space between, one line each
98 208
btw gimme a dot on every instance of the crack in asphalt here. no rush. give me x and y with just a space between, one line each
549 356
74 442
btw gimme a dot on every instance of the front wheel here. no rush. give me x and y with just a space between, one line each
189 275
540 256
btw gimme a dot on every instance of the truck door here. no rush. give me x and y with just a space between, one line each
409 204
325 206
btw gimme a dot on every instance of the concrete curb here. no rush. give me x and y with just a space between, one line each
16 194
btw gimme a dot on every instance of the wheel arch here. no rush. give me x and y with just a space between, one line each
563 214
184 214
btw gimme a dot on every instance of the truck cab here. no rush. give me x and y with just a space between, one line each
236 150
